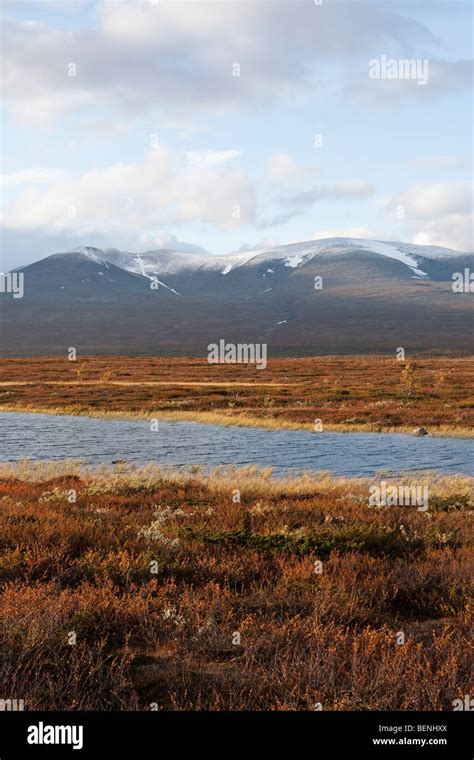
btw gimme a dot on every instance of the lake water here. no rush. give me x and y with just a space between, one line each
44 436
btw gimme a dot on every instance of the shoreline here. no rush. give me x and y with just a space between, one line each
241 420
221 479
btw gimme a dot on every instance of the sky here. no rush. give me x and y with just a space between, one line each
225 126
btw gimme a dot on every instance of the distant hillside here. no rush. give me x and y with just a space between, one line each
374 297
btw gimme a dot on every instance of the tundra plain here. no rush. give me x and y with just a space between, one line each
344 393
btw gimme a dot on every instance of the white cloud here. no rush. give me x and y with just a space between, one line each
163 189
176 56
451 231
352 189
423 202
436 214
163 239
282 171
364 233
37 175
210 157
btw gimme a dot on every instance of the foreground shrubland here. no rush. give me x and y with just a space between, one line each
146 589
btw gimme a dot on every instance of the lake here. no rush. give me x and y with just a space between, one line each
44 436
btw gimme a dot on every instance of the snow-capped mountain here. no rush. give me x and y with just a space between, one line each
371 296
292 255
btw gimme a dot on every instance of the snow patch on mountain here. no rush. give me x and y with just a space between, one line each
169 262
393 252
297 254
294 261
96 254
140 265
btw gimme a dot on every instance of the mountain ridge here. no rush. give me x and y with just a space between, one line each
373 297
311 248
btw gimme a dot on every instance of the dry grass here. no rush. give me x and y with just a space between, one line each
345 393
227 567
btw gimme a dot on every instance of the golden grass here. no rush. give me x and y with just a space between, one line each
253 480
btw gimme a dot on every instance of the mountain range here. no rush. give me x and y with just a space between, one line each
332 296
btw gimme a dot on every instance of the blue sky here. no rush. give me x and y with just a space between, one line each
154 142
